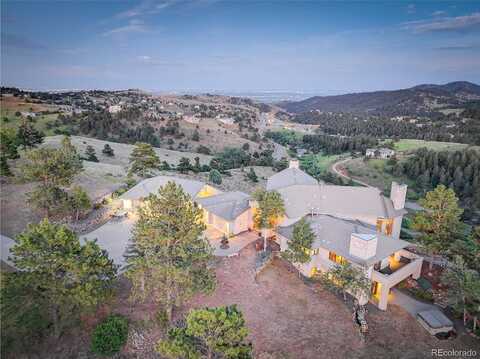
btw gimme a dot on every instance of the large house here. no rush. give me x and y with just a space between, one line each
226 212
354 224
383 152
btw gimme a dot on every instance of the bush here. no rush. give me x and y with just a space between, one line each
110 335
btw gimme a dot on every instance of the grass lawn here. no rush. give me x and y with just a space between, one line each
318 163
408 145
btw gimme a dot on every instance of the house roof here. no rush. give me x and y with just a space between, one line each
227 205
341 201
334 234
152 185
289 177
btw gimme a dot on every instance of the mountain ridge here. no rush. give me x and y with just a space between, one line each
420 99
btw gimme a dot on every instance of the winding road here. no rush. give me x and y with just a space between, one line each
338 172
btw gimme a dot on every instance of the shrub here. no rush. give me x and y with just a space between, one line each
110 335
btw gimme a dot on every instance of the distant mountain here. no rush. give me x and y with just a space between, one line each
418 100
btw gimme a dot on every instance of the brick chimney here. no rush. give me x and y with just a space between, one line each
398 194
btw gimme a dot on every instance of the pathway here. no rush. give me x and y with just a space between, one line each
340 173
408 303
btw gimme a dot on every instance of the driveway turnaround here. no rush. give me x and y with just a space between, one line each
114 237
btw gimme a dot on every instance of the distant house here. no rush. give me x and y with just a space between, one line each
383 152
27 114
114 108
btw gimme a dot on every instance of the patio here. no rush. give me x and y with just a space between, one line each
235 244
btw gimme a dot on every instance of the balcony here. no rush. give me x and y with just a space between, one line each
400 266
395 265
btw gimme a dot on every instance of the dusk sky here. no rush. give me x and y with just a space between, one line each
319 47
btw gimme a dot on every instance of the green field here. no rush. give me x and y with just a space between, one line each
41 122
407 145
318 163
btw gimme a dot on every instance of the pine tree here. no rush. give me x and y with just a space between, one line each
299 247
90 154
196 136
184 165
79 201
269 210
439 222
219 332
143 160
215 176
251 175
8 149
169 258
28 136
65 275
108 151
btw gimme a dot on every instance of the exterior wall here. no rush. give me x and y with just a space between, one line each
243 222
397 227
320 262
386 282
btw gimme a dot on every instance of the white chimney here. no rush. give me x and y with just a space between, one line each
363 246
294 164
398 194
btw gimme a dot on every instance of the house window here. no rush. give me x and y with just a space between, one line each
336 258
385 226
311 252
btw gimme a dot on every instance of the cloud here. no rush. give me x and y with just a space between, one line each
150 61
147 7
411 9
446 24
457 47
133 26
439 13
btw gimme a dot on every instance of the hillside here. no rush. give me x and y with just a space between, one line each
418 100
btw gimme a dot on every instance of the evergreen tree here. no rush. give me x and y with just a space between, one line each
184 165
90 154
28 136
217 332
347 279
65 275
439 222
169 259
8 149
108 151
269 210
251 175
299 247
79 201
463 288
215 176
197 167
143 160
196 136
54 169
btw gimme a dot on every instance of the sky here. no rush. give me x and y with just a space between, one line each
171 45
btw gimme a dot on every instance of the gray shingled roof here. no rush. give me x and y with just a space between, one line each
152 185
334 233
227 205
342 201
289 177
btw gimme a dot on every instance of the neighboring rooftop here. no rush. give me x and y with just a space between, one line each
289 177
151 185
227 205
334 234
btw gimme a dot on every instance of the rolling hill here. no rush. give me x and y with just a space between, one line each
418 100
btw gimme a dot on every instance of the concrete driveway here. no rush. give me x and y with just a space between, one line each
235 244
113 236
